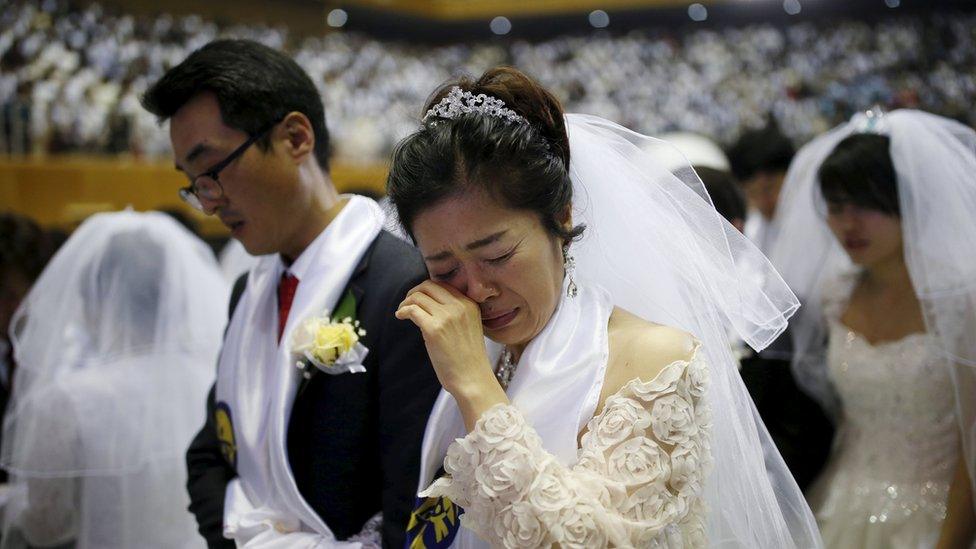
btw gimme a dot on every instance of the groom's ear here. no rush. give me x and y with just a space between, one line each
298 136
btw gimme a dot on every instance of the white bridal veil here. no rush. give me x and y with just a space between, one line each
656 243
115 347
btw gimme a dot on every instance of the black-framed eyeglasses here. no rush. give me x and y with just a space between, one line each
207 185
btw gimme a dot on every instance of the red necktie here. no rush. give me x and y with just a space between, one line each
286 294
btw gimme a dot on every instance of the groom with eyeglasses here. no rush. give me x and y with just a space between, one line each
306 443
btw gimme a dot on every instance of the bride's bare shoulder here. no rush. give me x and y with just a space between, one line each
641 349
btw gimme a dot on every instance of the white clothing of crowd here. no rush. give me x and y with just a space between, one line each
80 72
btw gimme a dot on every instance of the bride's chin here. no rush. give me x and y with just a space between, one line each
500 338
505 336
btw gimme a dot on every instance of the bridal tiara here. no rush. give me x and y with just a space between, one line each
459 102
872 120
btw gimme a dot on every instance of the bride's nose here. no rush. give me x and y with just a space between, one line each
478 288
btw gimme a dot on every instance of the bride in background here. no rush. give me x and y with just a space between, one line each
115 348
878 236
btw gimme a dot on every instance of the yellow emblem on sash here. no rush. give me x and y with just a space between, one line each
433 523
225 433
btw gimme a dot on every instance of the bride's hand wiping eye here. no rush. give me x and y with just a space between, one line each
451 326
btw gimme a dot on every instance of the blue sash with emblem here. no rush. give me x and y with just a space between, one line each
434 523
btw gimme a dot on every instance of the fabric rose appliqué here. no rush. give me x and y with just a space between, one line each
639 461
549 493
517 527
673 420
623 418
686 470
506 475
330 343
579 526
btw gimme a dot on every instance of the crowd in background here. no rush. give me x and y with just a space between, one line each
71 77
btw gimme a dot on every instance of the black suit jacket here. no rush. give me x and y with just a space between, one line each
353 440
798 425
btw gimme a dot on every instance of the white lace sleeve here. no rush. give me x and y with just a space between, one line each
638 480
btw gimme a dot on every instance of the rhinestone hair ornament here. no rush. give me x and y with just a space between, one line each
872 121
459 102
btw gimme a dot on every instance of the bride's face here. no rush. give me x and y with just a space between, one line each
869 237
501 258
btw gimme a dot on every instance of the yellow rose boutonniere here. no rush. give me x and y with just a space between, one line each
330 344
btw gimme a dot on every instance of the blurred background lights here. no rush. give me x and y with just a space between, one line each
501 25
697 12
599 19
337 18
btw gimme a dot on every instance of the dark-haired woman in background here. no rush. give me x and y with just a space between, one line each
878 239
575 318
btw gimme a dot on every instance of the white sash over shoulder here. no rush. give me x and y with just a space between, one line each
257 382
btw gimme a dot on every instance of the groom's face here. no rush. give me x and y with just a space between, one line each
260 187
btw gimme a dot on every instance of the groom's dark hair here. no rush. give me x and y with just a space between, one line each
762 150
255 86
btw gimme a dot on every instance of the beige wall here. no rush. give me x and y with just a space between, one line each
62 191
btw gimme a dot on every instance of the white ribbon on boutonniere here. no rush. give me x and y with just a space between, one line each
330 343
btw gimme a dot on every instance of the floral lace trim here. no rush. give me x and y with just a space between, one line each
912 341
638 480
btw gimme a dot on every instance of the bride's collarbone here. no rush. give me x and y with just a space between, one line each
883 318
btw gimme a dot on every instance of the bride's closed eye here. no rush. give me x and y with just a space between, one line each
448 275
444 276
502 258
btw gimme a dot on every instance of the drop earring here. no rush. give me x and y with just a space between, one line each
569 264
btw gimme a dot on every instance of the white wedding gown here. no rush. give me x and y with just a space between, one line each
144 507
897 445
